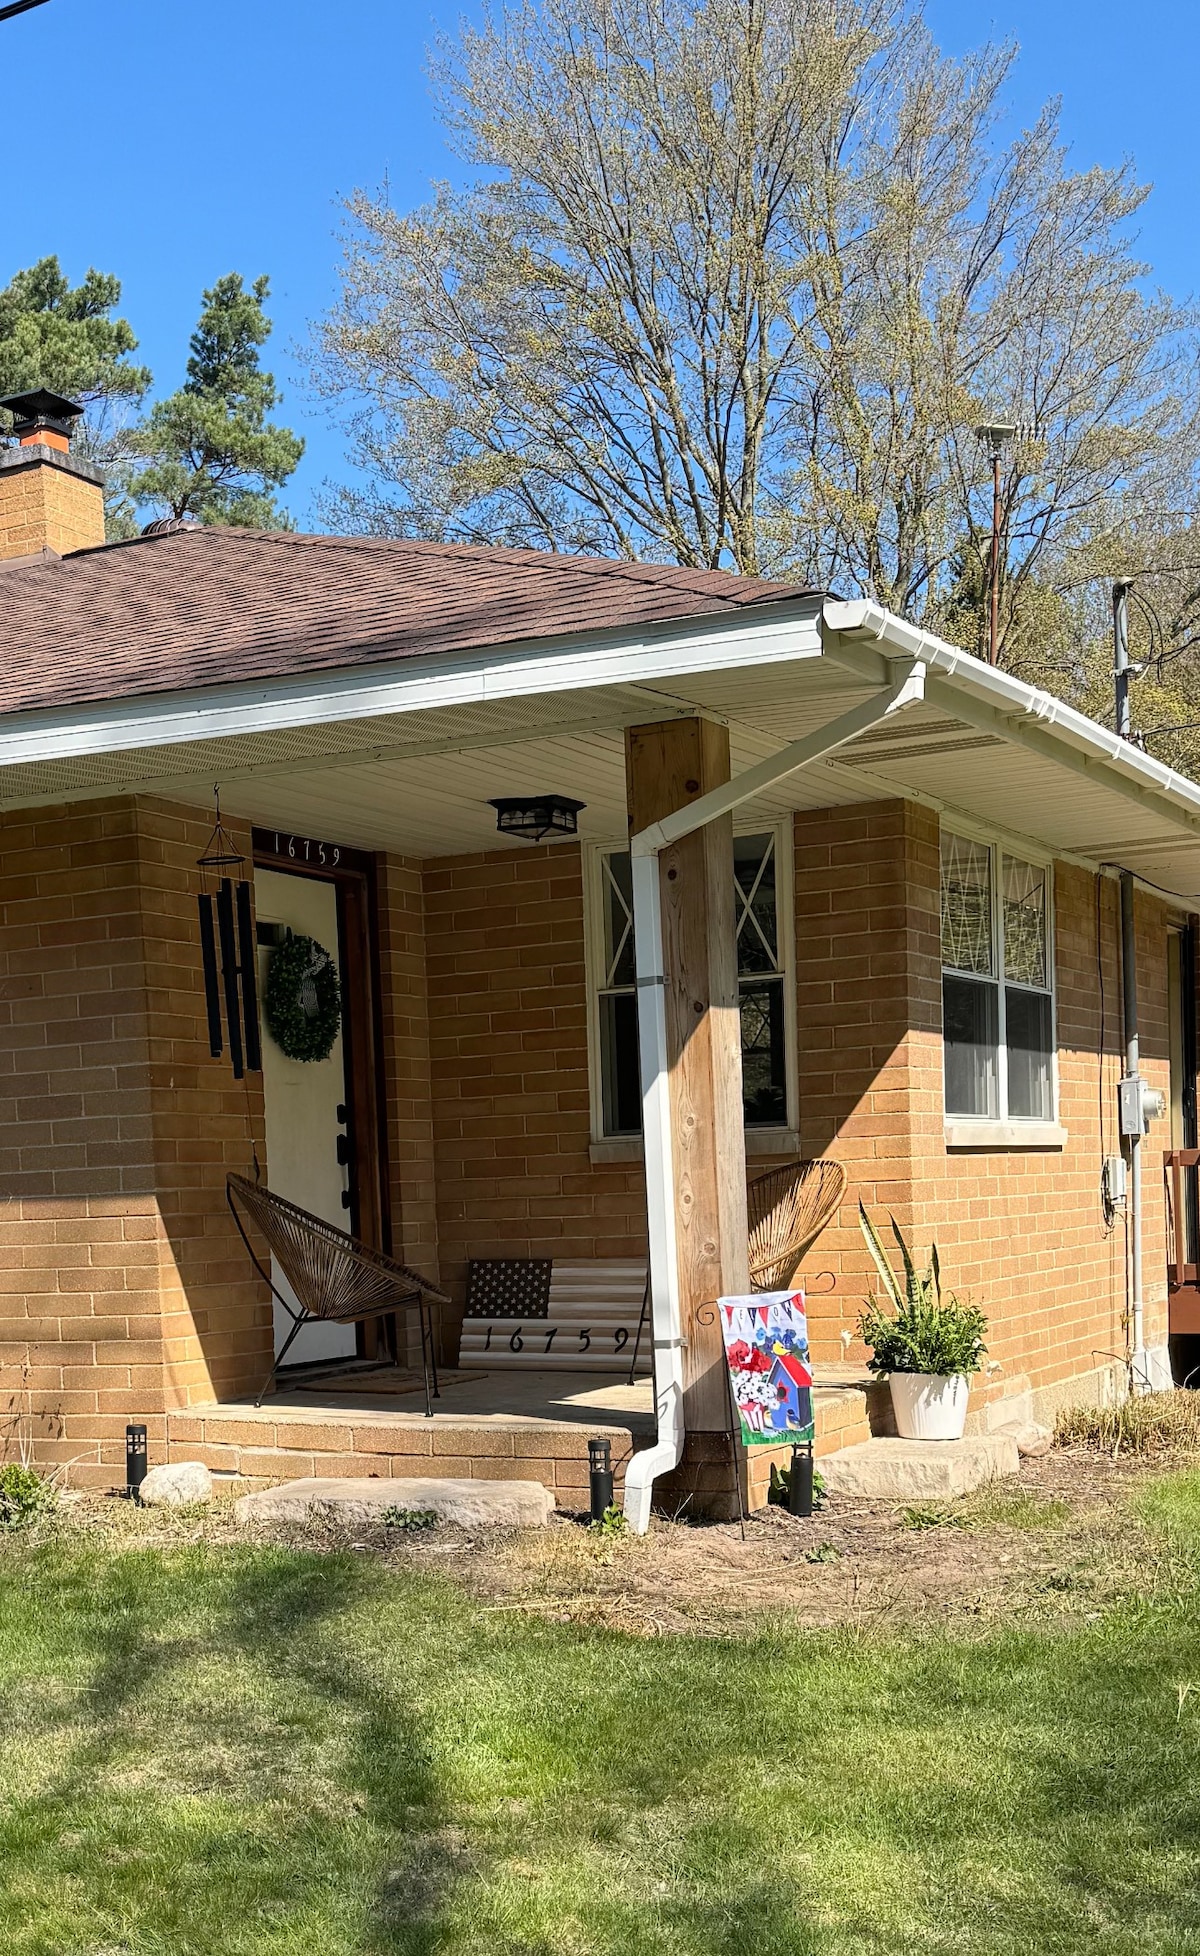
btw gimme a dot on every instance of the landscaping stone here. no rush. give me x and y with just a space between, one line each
1032 1440
919 1470
182 1484
469 1504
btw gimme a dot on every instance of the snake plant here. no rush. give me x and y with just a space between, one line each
923 1332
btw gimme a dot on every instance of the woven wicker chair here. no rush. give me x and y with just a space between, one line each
335 1278
787 1209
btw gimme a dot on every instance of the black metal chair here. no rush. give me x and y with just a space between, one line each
335 1278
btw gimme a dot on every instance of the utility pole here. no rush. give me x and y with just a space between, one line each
1121 675
995 433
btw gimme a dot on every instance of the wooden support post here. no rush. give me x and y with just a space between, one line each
669 765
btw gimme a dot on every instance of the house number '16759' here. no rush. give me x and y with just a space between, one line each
302 850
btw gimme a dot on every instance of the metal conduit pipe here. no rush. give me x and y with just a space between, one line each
1129 1009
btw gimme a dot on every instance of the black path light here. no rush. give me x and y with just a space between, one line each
534 817
227 929
135 1460
600 1477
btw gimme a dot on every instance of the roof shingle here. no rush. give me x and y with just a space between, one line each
201 607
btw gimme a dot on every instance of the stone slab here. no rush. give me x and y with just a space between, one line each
1032 1440
181 1484
467 1503
919 1470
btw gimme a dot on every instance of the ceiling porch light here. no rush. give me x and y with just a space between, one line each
536 816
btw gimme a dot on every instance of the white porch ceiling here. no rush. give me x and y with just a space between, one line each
418 782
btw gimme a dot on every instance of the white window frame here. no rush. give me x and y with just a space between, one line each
594 966
999 847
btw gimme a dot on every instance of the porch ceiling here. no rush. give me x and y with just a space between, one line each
418 780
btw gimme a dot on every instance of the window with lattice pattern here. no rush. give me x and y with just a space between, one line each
997 988
764 963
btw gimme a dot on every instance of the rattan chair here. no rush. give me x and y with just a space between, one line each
335 1278
786 1210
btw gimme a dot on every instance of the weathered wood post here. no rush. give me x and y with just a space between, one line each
669 765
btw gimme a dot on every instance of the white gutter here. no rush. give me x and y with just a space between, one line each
644 1469
988 698
995 702
651 656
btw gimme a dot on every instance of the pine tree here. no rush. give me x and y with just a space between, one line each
56 335
212 453
64 337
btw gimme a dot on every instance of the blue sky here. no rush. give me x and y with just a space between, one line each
195 139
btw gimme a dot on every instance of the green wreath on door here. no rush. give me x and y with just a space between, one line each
303 999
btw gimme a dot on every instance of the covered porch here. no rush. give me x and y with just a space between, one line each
772 767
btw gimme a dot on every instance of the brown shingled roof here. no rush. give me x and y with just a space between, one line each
201 607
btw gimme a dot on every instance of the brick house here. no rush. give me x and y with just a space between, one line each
878 889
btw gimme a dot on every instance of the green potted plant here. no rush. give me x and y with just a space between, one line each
927 1345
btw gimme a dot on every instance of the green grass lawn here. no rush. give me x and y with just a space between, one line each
210 1750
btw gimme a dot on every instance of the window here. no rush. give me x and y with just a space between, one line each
761 920
997 990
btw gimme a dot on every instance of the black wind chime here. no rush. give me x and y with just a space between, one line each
227 929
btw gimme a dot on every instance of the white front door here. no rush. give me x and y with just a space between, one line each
305 1101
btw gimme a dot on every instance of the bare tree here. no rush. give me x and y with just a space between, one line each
731 285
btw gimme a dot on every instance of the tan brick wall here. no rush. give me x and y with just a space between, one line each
123 1289
862 930
412 1183
508 1040
217 1319
1019 1230
47 508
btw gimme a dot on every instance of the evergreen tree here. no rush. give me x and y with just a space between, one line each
64 337
211 452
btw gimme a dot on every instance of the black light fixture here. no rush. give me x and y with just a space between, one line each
536 816
600 1477
135 1460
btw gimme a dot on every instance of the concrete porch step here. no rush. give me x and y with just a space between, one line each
919 1470
466 1503
488 1427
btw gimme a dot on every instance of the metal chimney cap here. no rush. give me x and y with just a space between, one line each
41 409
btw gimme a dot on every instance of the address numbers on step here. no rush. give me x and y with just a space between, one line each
540 1337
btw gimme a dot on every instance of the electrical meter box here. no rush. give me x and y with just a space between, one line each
1138 1105
1129 1107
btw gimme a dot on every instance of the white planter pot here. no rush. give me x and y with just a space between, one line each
928 1406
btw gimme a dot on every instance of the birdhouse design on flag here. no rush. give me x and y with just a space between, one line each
766 1348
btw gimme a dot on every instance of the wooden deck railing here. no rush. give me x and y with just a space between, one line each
1181 1167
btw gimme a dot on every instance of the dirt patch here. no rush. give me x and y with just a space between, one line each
1057 1541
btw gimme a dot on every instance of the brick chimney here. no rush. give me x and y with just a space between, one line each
49 498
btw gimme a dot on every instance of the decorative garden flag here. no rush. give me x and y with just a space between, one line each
766 1344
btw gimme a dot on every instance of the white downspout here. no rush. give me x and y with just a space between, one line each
666 1329
906 689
